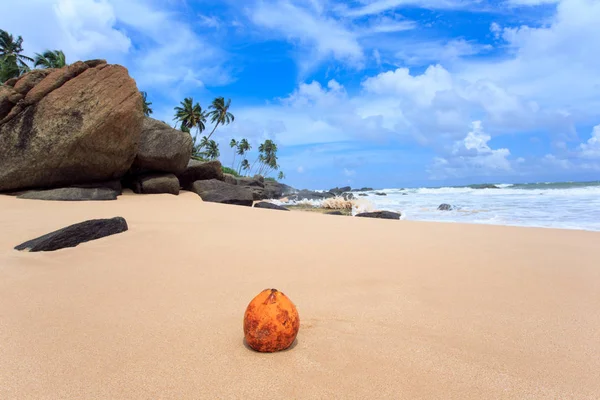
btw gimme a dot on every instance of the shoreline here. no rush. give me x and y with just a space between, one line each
398 309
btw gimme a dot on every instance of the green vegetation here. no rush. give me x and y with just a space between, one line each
230 171
14 64
50 59
147 104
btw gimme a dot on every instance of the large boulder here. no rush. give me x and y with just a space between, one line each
78 124
200 171
162 148
71 194
257 181
380 214
228 178
73 235
215 191
30 79
9 97
155 184
445 207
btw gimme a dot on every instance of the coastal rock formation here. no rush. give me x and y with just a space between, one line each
338 191
310 195
75 124
271 206
334 213
216 191
380 214
228 178
445 207
73 235
156 184
200 171
71 194
114 185
257 181
380 194
162 148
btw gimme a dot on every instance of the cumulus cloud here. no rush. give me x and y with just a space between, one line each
472 156
591 148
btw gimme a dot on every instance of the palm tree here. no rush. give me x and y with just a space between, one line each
147 104
50 59
220 113
232 144
11 48
245 165
212 150
281 176
190 115
243 148
267 157
8 68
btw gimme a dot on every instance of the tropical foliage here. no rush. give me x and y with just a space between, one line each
12 62
147 104
50 59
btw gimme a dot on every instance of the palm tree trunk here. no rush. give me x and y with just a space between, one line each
213 131
233 162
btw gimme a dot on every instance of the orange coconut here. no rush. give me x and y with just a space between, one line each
271 322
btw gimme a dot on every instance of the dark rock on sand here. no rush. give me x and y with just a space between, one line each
257 181
162 149
71 194
156 184
271 206
216 191
380 214
334 213
114 185
75 125
73 235
445 207
200 171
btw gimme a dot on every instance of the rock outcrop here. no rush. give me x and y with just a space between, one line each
338 191
216 191
71 194
200 171
380 214
73 235
445 207
75 124
156 184
270 206
162 149
310 195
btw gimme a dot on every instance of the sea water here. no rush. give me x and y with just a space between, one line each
566 205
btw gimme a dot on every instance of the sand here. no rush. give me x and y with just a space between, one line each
388 309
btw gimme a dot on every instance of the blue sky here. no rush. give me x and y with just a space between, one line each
382 93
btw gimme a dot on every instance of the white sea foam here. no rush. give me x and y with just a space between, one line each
552 205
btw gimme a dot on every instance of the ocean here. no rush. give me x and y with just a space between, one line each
565 205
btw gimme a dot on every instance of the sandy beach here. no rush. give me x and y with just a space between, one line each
388 309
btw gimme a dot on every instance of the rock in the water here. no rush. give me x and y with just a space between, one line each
380 214
73 235
271 206
77 125
216 191
363 194
71 194
162 148
484 186
200 171
364 189
310 195
445 207
338 191
156 184
228 178
380 194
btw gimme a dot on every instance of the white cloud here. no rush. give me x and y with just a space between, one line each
591 148
379 6
318 35
472 156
